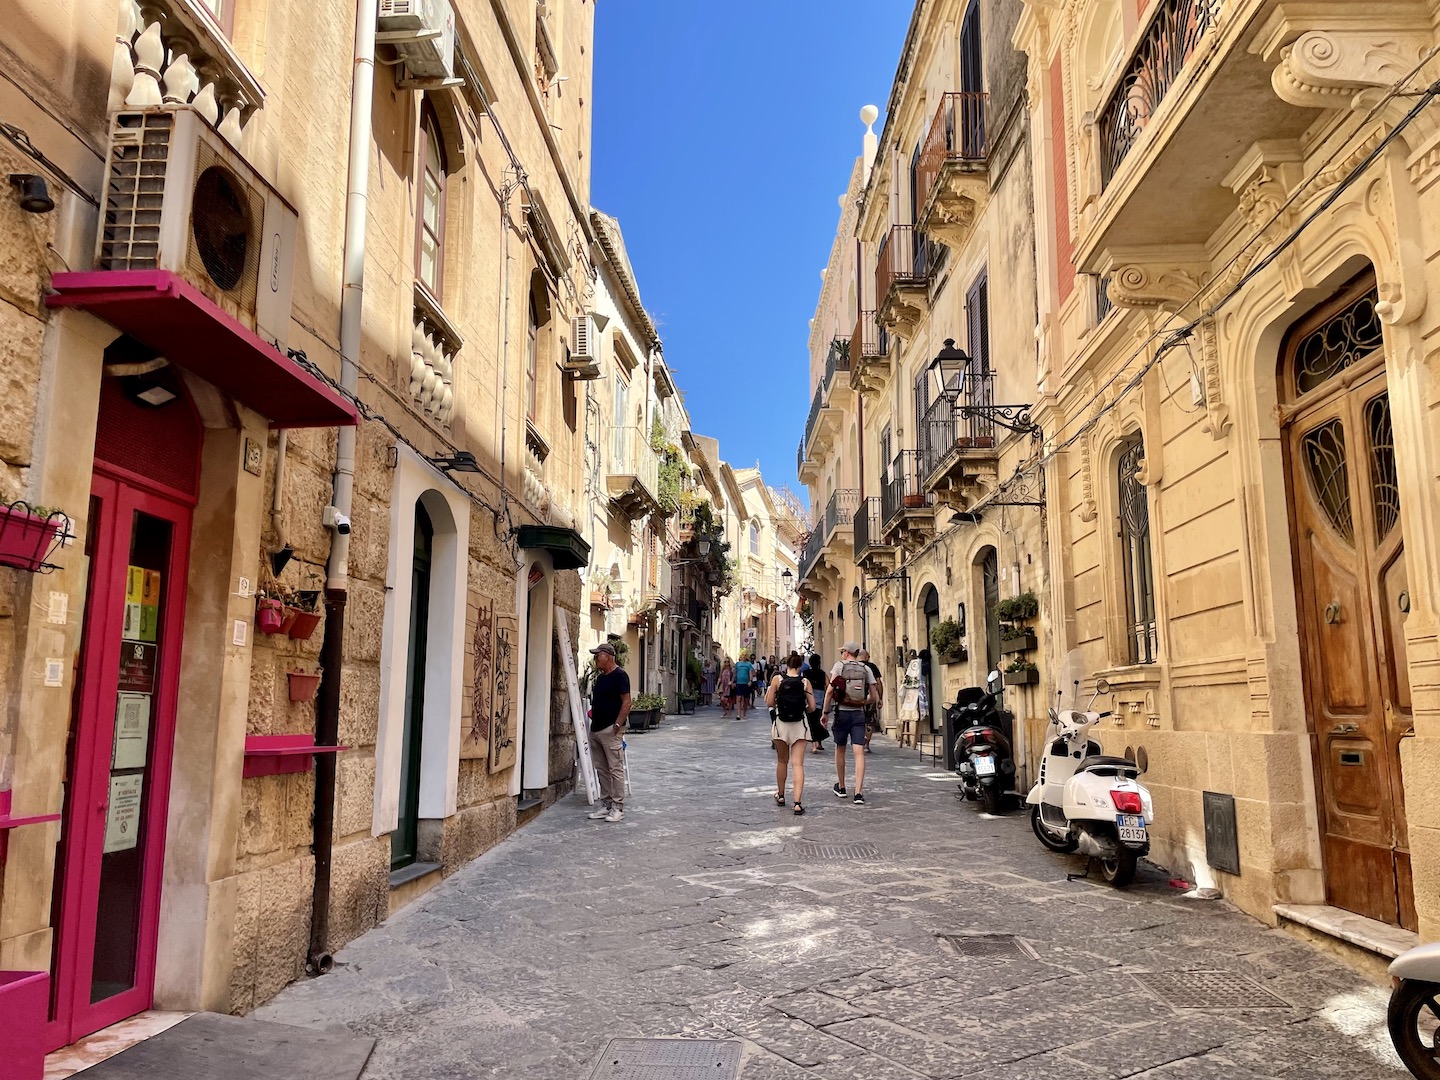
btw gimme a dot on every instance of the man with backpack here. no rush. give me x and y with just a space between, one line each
791 702
852 688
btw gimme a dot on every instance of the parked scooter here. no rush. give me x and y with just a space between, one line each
1414 1014
982 752
1088 801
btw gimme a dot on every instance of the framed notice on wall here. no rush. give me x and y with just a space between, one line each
122 815
132 731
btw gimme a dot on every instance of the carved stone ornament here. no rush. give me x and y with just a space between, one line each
900 315
1138 285
1217 414
1087 508
1326 69
959 199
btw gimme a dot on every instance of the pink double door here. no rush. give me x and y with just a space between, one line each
106 905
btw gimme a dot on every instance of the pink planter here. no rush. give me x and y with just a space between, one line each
25 539
301 624
269 616
302 685
24 1003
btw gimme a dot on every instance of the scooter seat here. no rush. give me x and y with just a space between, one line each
1106 761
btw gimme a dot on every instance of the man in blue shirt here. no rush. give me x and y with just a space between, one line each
743 672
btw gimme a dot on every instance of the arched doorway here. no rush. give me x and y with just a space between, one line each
405 839
989 563
1353 597
532 762
930 669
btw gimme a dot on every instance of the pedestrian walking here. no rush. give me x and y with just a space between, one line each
814 673
791 701
725 687
609 709
707 681
873 712
852 687
744 671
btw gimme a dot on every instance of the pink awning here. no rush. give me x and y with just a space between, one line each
171 316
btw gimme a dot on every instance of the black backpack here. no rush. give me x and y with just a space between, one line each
790 698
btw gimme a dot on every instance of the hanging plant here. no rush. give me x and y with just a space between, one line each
29 534
1018 608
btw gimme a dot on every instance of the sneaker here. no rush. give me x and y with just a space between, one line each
859 799
599 815
838 790
615 815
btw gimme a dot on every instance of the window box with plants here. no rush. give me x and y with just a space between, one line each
945 640
29 534
1018 639
1022 673
601 587
645 711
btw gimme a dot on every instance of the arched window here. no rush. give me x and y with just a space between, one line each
755 536
430 206
1135 555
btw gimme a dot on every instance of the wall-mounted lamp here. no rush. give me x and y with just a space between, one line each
966 517
460 461
34 196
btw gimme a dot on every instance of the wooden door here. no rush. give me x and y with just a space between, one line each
1353 599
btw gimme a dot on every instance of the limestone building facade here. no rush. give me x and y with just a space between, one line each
1236 237
323 425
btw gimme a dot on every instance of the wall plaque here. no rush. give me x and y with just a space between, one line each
504 702
476 740
122 815
1222 837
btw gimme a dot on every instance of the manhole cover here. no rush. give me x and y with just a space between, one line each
1208 990
669 1059
809 849
989 946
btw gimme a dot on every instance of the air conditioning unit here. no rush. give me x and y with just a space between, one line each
584 340
178 197
423 33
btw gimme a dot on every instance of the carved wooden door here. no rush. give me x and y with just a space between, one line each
1353 599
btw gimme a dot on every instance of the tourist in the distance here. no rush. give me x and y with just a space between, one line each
744 671
791 701
815 676
725 687
707 681
852 687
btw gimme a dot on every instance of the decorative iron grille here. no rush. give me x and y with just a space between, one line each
1342 340
901 487
1135 555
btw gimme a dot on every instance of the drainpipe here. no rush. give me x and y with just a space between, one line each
337 570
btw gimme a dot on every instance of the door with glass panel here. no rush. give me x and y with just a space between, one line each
1353 599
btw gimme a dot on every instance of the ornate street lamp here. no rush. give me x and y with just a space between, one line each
948 370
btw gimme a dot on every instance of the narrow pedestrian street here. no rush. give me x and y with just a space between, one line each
821 942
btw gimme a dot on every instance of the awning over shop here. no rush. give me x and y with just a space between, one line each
168 314
567 548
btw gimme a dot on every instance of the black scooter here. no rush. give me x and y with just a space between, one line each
984 759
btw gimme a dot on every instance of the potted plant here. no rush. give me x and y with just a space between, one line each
945 640
645 711
29 533
914 501
302 684
1016 638
600 586
269 613
1022 673
302 614
1018 608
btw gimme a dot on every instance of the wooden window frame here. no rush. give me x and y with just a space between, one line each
429 135
225 17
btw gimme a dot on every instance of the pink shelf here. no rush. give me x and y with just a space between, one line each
276 755
9 822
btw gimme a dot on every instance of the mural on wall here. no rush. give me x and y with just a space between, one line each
476 742
503 702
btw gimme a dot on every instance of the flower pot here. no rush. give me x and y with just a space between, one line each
24 1003
914 502
1022 678
269 616
964 442
600 600
984 441
302 685
25 538
957 655
300 624
1024 643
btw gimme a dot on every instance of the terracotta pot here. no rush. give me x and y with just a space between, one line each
914 502
25 539
24 1002
269 616
301 624
302 685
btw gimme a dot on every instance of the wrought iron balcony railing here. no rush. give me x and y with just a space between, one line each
957 134
1174 33
810 420
901 490
840 510
865 341
867 526
903 259
1103 306
836 360
961 418
814 543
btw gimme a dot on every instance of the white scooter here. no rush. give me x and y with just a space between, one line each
1414 1014
1088 801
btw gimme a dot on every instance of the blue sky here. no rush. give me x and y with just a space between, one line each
723 136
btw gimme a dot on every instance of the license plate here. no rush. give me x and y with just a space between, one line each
1131 828
984 766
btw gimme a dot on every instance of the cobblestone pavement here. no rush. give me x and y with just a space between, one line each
704 915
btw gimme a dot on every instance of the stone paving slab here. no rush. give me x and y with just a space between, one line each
698 917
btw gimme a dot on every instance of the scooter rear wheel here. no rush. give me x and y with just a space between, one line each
1063 846
1120 871
990 799
1414 1017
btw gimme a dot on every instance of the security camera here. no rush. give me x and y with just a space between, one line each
334 519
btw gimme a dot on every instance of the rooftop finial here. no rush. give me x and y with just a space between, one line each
868 115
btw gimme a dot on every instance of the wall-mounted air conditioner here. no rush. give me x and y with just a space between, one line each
178 197
585 340
423 33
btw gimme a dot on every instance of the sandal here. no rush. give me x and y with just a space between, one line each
779 800
799 809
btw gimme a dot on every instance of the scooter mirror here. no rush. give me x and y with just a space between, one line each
1142 759
994 678
1102 686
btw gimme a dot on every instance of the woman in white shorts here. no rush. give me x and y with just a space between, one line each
791 702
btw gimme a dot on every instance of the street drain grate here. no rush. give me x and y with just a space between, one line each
669 1059
989 946
809 849
1208 990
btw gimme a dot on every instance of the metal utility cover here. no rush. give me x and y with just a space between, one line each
809 849
989 946
1208 990
669 1059
1222 837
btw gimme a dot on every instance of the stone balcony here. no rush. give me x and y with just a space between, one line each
870 365
902 279
959 447
907 510
952 181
